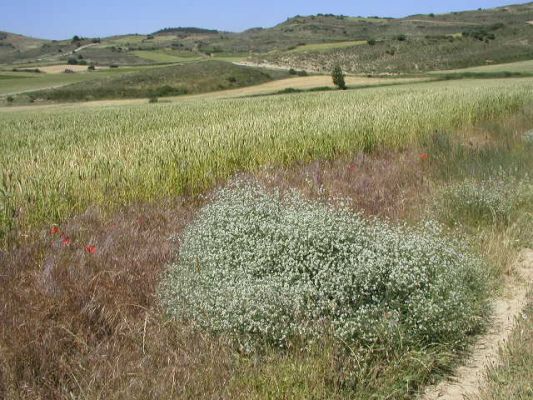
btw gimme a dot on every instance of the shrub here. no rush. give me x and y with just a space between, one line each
372 42
338 77
91 67
168 90
292 71
289 90
492 200
153 99
401 38
72 61
267 269
10 99
302 73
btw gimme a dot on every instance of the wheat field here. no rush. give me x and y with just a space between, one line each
57 162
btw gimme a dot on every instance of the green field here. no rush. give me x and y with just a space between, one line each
53 157
12 83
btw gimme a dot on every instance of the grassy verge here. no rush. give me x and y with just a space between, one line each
513 378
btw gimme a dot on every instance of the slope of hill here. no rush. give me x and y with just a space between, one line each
410 44
421 43
197 77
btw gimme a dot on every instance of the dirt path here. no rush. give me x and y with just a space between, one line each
471 377
271 66
84 47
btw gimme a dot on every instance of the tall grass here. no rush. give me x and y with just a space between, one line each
56 162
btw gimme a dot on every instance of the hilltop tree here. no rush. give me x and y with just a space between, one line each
338 78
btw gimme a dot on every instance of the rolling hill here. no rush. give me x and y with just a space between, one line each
444 41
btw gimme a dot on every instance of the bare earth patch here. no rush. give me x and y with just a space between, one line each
470 378
58 69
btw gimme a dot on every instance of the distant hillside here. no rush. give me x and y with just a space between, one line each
413 44
172 80
316 42
187 31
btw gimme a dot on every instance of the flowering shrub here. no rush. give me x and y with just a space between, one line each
264 268
490 200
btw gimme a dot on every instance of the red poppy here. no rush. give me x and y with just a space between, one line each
65 240
90 249
54 230
424 156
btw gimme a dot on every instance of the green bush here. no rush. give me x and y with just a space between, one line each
338 77
488 201
267 269
372 42
72 61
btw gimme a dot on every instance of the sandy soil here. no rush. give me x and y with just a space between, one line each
470 377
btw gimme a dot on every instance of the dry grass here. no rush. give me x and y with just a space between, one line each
386 184
88 324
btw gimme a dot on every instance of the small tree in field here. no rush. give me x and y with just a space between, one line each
338 78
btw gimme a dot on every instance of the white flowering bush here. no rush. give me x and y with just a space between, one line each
266 268
489 200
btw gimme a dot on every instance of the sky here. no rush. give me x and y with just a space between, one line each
61 19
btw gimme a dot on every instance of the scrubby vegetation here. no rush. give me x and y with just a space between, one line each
490 201
164 81
272 270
